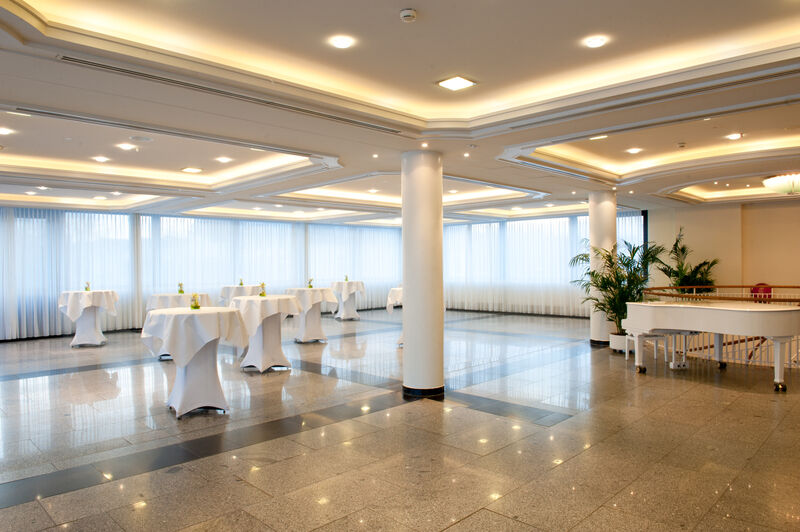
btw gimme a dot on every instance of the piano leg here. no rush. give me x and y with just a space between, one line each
718 342
779 348
638 355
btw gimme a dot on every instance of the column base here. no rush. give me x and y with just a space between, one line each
599 343
428 393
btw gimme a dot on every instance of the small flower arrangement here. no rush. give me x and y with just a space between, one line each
241 282
180 288
263 292
87 287
195 304
310 281
346 279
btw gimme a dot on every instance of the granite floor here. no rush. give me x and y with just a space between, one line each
538 431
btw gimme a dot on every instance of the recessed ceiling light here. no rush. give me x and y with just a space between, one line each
278 205
727 184
549 204
516 208
574 192
101 159
256 149
99 197
256 208
424 144
748 186
127 147
374 155
320 208
595 41
456 83
116 193
630 192
466 154
42 187
733 136
453 191
716 182
599 137
223 159
706 119
30 192
613 188
191 170
372 190
17 114
341 41
634 150
6 131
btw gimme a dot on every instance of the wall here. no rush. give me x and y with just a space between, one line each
756 242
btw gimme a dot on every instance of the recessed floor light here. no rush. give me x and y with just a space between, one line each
42 187
99 197
595 41
116 193
101 159
191 170
341 41
634 151
453 191
456 83
372 190
30 192
6 131
127 147
733 136
223 159
599 137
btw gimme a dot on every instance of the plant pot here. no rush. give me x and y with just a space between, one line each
617 342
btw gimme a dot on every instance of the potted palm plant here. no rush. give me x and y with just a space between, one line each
683 273
620 278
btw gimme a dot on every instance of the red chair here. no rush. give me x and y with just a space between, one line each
761 291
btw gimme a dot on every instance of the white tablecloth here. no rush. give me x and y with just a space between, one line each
347 288
157 301
72 302
395 298
182 332
255 308
308 297
346 294
227 293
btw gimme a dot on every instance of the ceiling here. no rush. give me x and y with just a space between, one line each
317 129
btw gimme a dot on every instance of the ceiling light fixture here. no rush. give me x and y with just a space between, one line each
320 208
372 190
116 193
256 208
595 41
42 187
599 137
634 151
127 147
453 191
716 182
424 144
191 170
613 188
733 136
101 159
784 184
630 192
15 113
466 154
374 155
99 197
549 204
31 192
456 83
341 41
278 205
6 131
574 192
516 208
223 159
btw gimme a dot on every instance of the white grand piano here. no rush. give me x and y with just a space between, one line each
776 322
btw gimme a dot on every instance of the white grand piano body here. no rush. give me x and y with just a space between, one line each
778 323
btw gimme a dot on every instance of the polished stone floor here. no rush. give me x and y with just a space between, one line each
539 431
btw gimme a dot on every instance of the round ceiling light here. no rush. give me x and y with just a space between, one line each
341 41
595 41
784 184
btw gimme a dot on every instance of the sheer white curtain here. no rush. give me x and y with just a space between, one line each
45 252
369 254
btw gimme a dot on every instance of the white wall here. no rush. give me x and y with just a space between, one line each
758 242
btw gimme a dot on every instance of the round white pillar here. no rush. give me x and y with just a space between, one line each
423 285
602 234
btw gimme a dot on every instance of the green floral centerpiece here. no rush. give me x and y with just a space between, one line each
180 288
241 282
346 279
87 287
263 292
310 285
195 304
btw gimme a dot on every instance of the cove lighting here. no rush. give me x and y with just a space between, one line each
101 159
456 83
127 147
634 151
595 41
18 114
6 131
341 41
733 136
223 159
191 170
599 137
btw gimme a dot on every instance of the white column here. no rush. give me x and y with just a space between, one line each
423 285
602 234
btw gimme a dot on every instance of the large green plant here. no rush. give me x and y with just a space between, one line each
620 278
683 273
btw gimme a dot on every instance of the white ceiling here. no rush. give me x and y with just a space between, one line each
204 82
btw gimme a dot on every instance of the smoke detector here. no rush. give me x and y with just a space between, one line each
408 15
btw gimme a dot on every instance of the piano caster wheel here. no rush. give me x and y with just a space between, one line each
641 369
723 365
780 387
